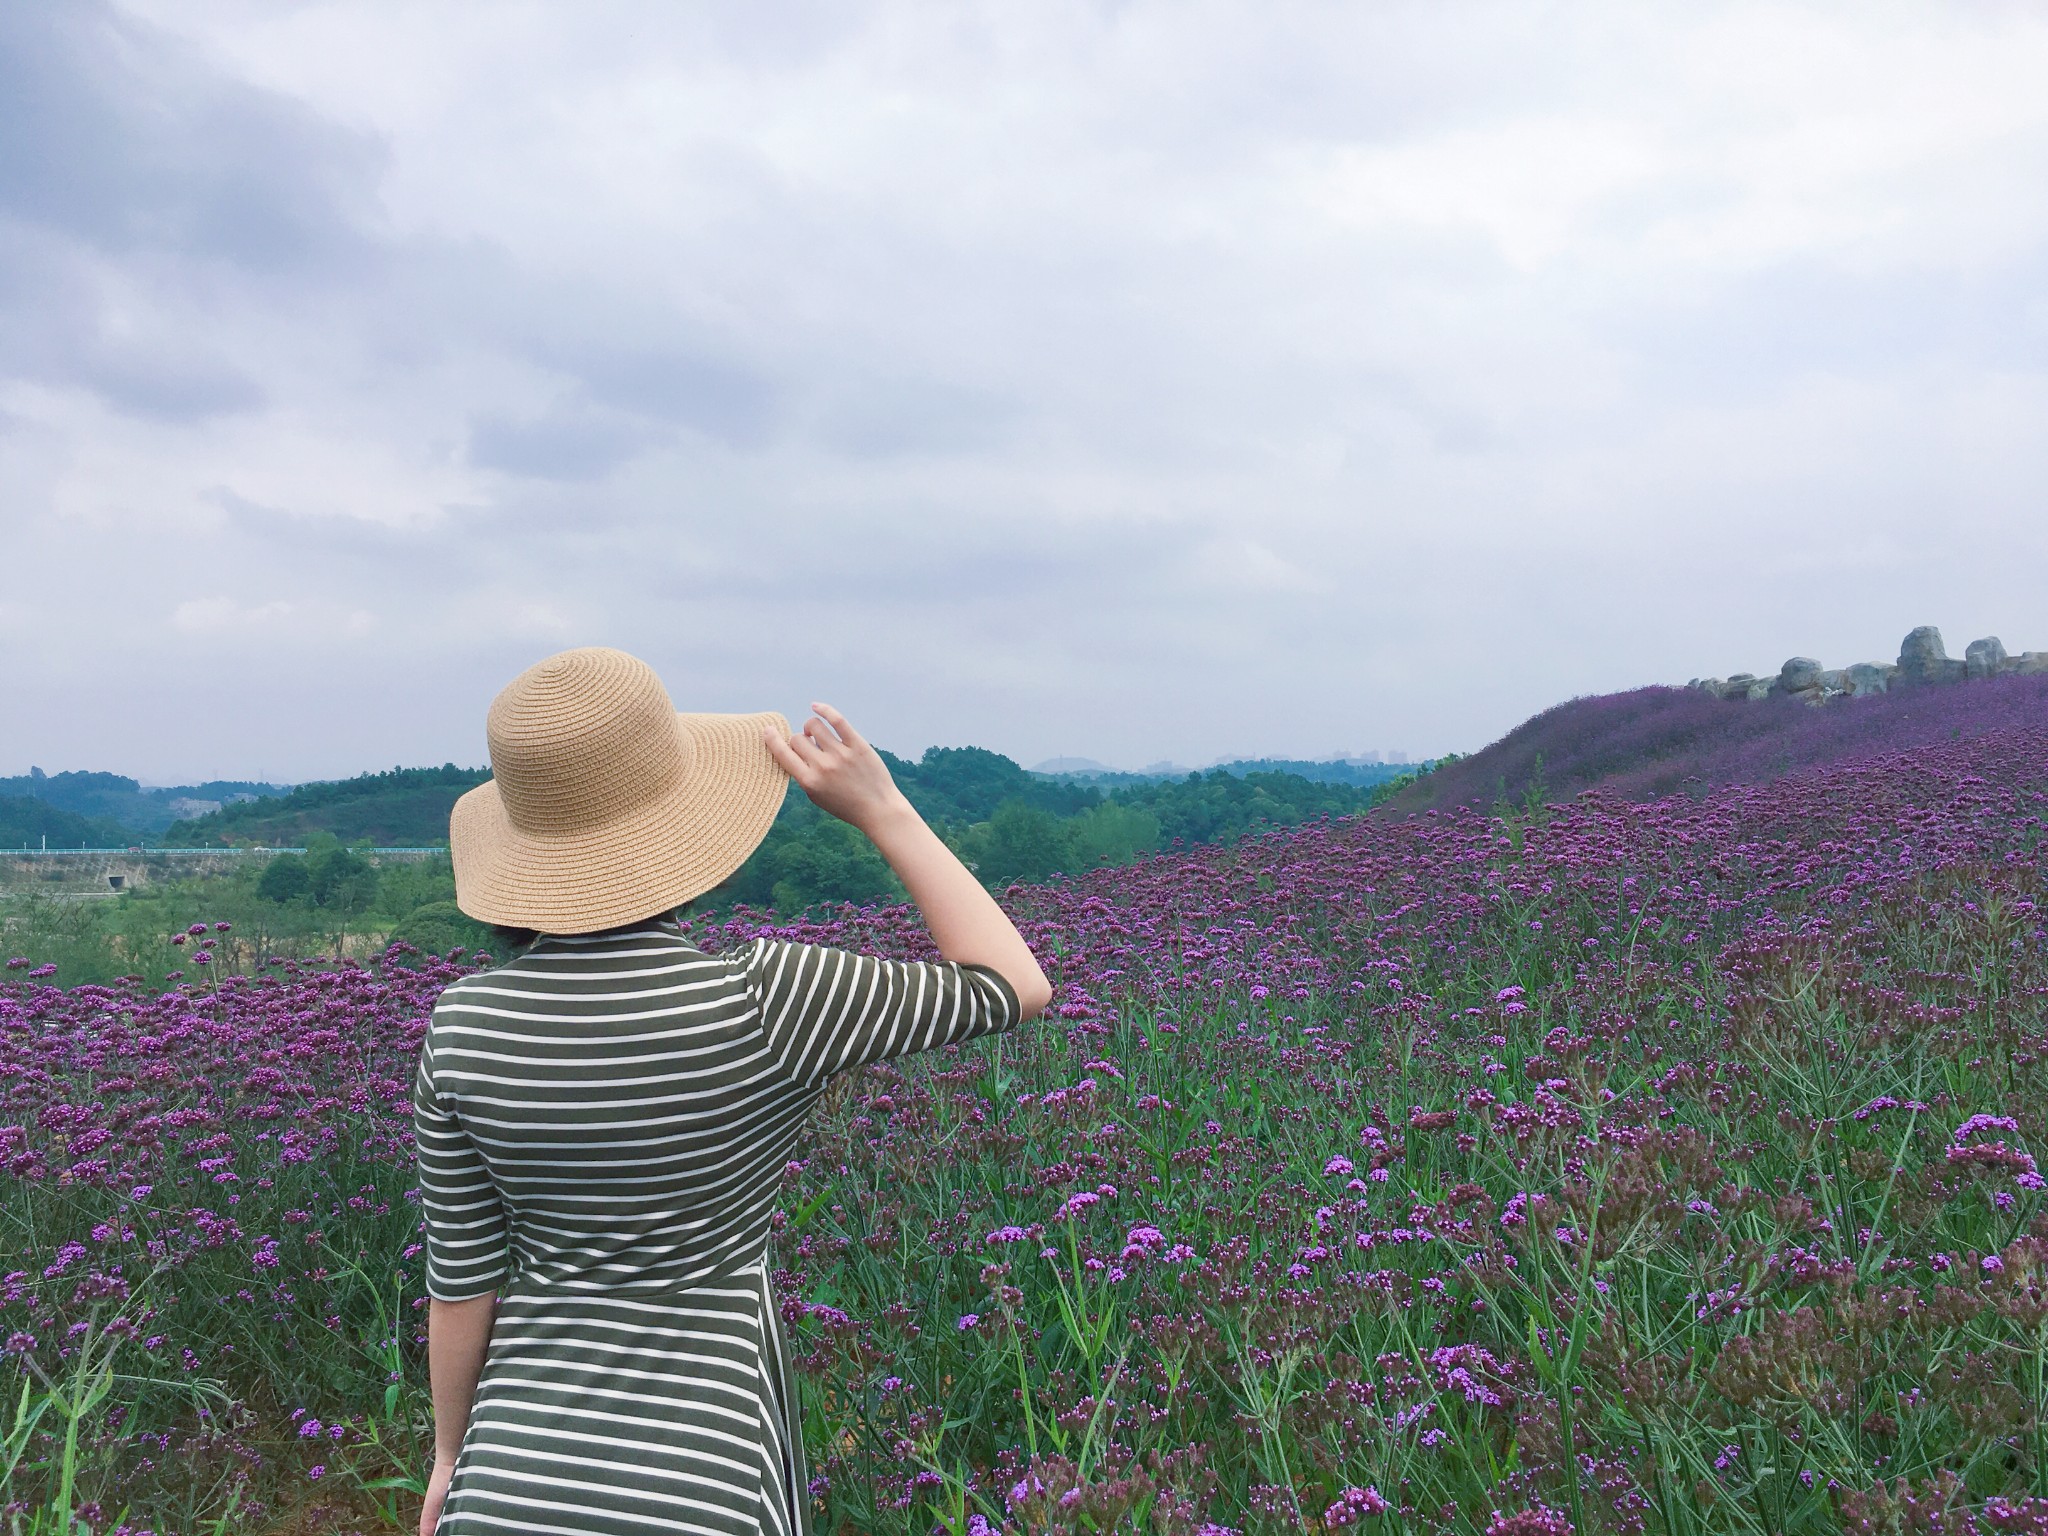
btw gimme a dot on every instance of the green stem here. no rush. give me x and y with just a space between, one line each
1024 1390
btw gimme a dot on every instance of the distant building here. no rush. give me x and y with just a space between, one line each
184 809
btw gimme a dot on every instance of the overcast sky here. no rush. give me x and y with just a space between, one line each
1129 380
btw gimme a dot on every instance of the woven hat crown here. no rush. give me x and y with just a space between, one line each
582 738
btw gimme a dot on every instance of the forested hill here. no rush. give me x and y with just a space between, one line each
957 785
27 821
409 807
400 808
122 810
1009 824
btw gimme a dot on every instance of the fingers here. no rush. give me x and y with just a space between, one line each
807 755
810 749
839 723
784 752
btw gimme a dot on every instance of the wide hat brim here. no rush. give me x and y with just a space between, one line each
648 860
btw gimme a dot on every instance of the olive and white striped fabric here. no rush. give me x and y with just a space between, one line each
602 1124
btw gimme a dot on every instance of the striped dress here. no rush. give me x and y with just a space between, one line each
602 1125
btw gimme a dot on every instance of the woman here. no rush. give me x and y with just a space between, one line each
603 1121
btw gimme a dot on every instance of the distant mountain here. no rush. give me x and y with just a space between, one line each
116 798
402 808
1054 766
1103 778
29 822
1334 771
1651 742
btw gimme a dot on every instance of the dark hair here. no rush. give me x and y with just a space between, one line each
511 940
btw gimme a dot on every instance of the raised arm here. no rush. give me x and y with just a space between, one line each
845 777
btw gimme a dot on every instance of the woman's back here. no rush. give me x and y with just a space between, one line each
603 1123
632 1101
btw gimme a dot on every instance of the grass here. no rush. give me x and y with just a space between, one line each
1614 1167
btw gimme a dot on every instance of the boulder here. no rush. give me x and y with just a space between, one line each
1799 674
1983 658
1736 687
1924 660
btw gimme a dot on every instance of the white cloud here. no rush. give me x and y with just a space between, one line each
1529 188
215 615
997 366
1245 565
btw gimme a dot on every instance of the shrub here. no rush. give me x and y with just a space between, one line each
441 926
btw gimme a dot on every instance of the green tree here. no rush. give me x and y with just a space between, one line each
1024 842
1111 833
339 879
833 862
284 879
439 926
961 786
1209 807
405 888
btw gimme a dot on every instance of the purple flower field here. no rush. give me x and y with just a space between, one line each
1616 1167
1668 741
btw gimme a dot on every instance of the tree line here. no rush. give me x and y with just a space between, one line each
1007 825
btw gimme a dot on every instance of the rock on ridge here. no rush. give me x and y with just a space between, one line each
1923 662
1983 658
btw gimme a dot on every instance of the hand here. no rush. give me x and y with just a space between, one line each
437 1492
844 776
847 778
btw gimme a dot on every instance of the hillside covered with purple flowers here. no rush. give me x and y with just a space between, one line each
1666 741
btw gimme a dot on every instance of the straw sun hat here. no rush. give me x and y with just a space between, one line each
604 804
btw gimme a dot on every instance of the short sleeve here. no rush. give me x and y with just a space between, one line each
467 1248
828 1010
